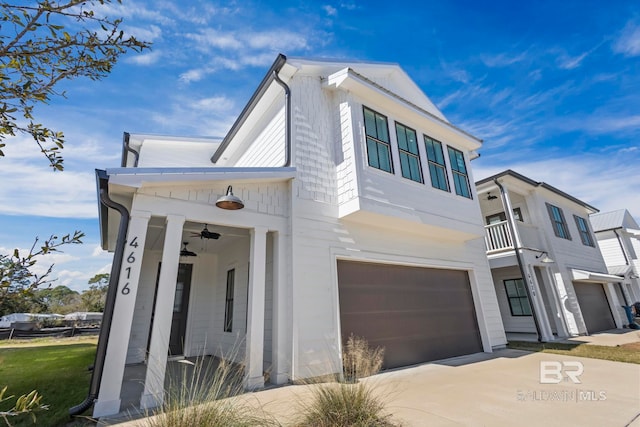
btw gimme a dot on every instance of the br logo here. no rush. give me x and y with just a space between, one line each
552 372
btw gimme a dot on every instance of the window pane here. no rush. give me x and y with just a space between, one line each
414 165
511 288
412 145
402 137
439 154
526 308
383 133
404 165
372 151
431 154
516 308
370 123
384 158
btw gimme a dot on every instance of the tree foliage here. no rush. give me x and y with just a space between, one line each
94 298
43 43
19 280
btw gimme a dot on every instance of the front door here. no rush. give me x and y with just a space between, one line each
180 309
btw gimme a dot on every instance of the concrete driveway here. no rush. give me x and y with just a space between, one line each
499 389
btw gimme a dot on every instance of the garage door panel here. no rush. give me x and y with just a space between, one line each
594 306
416 314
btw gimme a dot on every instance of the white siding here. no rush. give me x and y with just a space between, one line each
511 323
610 248
268 149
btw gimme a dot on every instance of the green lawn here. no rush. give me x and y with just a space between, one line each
628 353
56 368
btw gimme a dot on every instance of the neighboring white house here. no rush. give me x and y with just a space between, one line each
544 256
618 236
358 217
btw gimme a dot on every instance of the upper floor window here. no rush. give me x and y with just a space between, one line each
583 229
517 296
437 167
459 170
559 223
378 144
408 147
500 217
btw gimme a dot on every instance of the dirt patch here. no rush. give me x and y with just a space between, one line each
635 346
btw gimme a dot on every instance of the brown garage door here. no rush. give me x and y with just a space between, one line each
594 306
416 314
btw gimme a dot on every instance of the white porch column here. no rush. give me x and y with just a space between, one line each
255 309
279 347
538 305
153 394
108 402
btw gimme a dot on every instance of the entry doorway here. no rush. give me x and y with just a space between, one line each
179 312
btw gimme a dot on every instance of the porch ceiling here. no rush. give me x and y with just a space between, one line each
190 231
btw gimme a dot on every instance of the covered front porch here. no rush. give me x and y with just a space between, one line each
198 281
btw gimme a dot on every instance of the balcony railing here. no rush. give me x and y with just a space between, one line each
498 237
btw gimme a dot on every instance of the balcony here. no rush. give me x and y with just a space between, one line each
498 237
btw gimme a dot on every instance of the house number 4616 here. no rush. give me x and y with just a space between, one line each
130 259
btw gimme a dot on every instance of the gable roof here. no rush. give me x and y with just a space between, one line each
620 218
533 183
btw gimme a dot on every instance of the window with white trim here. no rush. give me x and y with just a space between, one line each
409 157
517 296
583 229
378 144
437 166
459 171
558 222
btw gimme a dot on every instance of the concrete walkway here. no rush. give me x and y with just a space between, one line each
503 388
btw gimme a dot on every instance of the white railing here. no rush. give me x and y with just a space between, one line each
498 237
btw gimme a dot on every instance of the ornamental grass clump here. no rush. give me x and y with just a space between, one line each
349 403
207 392
359 360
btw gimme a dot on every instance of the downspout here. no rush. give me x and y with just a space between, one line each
112 292
624 252
516 248
287 135
126 147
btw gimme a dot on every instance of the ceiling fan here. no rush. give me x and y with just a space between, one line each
206 234
185 251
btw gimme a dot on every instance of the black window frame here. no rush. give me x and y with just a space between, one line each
372 138
517 214
583 229
408 154
459 174
434 164
520 299
558 222
228 301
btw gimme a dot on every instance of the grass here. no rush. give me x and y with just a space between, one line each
628 353
56 368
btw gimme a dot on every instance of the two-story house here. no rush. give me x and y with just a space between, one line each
340 202
618 236
549 275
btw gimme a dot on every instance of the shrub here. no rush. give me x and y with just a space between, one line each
359 360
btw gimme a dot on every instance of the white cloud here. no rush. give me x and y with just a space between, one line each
628 43
567 62
503 59
98 251
148 34
330 10
145 58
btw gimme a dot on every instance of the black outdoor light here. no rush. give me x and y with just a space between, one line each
229 201
490 197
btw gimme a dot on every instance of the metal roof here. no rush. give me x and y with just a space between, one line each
620 218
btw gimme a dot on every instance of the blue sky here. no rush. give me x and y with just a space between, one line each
552 88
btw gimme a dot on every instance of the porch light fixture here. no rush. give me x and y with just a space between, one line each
490 197
545 258
229 201
185 251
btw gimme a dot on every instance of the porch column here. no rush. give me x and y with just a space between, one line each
108 402
153 394
279 328
538 305
255 309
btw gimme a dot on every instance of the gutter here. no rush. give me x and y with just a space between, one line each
253 101
287 100
516 249
112 292
624 252
126 147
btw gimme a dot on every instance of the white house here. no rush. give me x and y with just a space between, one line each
618 236
549 275
358 217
